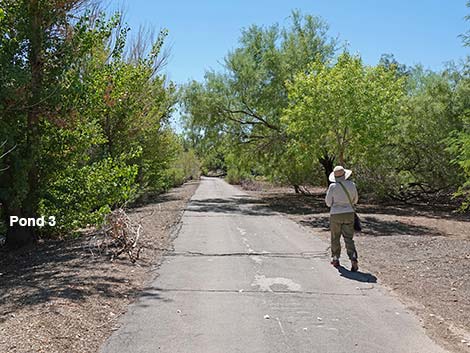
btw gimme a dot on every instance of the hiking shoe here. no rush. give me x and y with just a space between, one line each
354 266
335 263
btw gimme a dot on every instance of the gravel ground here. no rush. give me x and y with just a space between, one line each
59 298
422 254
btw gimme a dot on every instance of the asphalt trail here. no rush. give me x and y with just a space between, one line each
245 279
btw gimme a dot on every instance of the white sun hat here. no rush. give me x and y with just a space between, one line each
339 172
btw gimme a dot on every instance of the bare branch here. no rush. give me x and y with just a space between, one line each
121 236
259 120
10 150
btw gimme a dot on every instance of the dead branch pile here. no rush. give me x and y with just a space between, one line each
119 235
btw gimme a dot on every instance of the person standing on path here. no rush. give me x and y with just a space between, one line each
341 198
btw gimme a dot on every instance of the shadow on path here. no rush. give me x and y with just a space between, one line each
231 206
376 227
357 276
291 203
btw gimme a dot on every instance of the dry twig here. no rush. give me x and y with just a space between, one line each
120 236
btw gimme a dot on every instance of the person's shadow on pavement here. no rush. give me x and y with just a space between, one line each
357 276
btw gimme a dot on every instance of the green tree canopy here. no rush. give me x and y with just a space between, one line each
89 123
346 109
242 106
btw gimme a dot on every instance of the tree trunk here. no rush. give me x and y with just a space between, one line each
31 203
296 189
327 162
18 236
37 68
341 156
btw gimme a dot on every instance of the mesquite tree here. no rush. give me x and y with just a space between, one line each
241 107
345 108
90 123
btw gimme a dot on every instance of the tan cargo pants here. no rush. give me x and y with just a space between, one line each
342 223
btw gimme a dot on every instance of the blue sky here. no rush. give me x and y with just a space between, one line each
202 32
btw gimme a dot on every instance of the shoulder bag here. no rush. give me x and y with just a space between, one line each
357 221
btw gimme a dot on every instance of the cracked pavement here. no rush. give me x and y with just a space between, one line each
242 278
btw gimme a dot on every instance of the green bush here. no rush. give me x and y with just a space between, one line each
81 196
185 167
235 176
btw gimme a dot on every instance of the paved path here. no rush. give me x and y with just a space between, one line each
244 279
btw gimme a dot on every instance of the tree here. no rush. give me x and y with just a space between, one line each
466 36
90 124
389 62
459 141
346 109
429 115
36 45
242 106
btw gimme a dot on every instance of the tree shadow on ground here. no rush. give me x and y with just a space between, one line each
150 294
231 206
322 222
427 211
261 205
357 276
152 198
295 204
58 270
157 197
372 226
290 203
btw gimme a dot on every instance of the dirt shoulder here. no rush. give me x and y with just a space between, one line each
60 298
422 254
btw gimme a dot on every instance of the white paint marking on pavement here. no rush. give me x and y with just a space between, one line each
256 259
264 283
280 325
248 247
241 230
326 328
